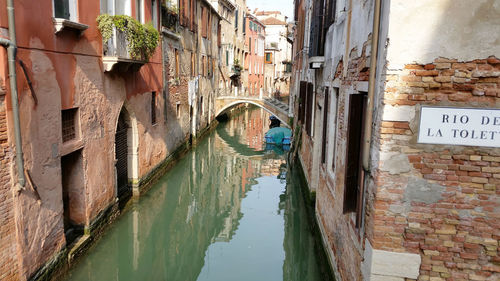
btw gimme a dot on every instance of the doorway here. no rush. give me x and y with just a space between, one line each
73 188
121 155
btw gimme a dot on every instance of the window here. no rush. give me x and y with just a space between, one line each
317 33
69 124
244 23
219 37
250 67
326 106
178 110
227 58
153 108
139 10
330 12
354 174
269 57
65 9
236 19
309 108
250 45
334 129
177 66
154 13
202 109
256 46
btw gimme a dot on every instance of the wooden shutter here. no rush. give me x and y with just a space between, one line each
204 19
330 12
353 185
192 16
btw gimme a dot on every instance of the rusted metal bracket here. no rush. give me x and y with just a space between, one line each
33 186
33 95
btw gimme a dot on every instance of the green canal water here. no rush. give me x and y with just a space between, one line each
228 210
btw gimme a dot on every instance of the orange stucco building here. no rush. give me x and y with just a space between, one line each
254 61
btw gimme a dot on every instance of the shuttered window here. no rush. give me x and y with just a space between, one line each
326 106
316 48
236 19
302 101
153 108
354 174
309 108
335 124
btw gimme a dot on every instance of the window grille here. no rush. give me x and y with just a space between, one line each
68 124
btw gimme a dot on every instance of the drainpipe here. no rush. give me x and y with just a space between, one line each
371 87
11 54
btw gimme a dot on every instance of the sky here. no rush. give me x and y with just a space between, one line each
285 6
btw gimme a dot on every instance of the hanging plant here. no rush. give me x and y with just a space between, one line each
142 39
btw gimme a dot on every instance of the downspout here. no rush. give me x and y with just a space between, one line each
11 54
371 87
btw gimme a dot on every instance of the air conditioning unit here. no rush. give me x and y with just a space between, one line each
316 62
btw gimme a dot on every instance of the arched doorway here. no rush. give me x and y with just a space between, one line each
121 154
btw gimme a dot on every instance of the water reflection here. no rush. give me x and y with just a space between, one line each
224 212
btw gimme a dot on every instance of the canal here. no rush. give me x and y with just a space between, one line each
227 210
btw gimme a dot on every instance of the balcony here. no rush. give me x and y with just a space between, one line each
117 56
127 44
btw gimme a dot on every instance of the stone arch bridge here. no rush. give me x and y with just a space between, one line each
273 106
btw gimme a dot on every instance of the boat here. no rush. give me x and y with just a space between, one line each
278 136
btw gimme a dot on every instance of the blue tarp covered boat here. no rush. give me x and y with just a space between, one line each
279 135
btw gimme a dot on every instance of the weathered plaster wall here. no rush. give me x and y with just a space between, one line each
66 71
448 28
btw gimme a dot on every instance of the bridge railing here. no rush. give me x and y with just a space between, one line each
243 92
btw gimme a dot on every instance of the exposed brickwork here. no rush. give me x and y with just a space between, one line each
342 237
458 234
8 260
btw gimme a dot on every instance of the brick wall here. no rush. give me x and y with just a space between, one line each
438 201
8 260
343 239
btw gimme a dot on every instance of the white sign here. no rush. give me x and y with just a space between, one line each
460 126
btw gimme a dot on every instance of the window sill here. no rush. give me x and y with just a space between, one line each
61 24
71 146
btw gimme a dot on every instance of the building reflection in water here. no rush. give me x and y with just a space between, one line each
223 212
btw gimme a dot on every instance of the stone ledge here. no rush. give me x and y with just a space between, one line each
385 265
61 24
